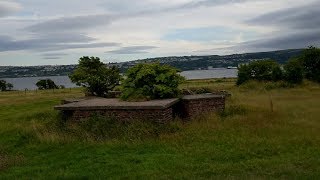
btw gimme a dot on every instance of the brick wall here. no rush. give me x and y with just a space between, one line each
156 115
190 108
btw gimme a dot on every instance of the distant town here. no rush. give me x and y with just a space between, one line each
183 63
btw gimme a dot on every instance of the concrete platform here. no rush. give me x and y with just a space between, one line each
114 103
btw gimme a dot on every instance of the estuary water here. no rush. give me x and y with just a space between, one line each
29 82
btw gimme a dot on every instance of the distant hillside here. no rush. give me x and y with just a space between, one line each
214 61
181 62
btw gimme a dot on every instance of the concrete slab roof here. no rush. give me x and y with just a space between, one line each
201 96
104 103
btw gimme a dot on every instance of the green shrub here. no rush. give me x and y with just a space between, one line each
311 63
4 86
264 70
97 78
244 74
277 73
46 84
151 81
293 71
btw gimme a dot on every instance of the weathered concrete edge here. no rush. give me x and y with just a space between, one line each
208 96
69 108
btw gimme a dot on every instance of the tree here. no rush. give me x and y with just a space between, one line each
46 84
244 74
311 63
9 86
293 71
277 73
151 81
96 77
5 86
264 70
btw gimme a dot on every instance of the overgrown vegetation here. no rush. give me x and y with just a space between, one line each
46 84
293 71
306 65
5 86
97 78
248 140
151 81
310 60
100 129
266 70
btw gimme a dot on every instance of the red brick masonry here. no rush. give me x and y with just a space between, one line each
192 106
157 110
156 115
161 111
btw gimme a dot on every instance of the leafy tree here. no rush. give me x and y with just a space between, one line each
9 86
244 74
4 86
46 84
293 71
311 63
277 73
96 77
151 81
264 70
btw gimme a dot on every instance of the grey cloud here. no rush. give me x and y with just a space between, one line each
286 41
298 27
7 8
122 6
76 23
132 50
52 57
79 46
60 38
208 3
289 41
69 24
55 54
304 17
51 43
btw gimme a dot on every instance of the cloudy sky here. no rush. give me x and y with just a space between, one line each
40 32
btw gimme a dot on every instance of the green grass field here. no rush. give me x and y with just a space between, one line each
261 134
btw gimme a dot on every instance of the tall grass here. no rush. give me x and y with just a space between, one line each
247 140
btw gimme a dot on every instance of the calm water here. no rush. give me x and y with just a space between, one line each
29 82
207 74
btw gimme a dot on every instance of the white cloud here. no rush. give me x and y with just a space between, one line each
8 8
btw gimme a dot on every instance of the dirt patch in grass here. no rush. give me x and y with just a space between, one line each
7 161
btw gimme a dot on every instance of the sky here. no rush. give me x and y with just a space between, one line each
47 32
